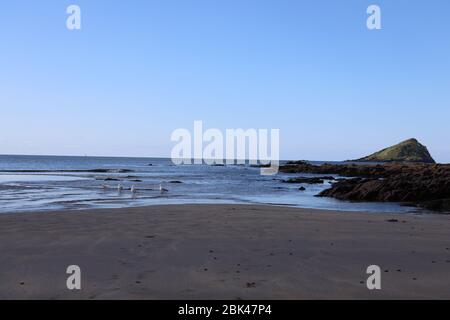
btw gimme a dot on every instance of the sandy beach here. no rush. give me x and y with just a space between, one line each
223 252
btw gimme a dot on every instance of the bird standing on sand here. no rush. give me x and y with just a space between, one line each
162 190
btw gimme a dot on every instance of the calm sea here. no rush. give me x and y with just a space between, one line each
36 183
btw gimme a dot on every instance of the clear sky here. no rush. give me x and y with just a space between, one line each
137 70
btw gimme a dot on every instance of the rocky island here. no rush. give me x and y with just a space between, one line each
406 173
407 151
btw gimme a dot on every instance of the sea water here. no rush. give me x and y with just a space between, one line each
39 183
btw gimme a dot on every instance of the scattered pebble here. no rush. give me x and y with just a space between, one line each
251 284
392 220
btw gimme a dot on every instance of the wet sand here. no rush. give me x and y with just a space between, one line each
223 252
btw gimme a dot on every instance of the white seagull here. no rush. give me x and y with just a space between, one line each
119 188
133 189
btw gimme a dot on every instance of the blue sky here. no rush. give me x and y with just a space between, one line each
137 70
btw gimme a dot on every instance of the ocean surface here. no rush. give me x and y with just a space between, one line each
39 183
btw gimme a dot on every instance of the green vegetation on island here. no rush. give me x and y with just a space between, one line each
409 151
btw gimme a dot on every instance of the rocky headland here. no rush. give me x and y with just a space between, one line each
423 184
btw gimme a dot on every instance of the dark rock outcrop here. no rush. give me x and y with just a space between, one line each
348 170
437 205
426 185
308 180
